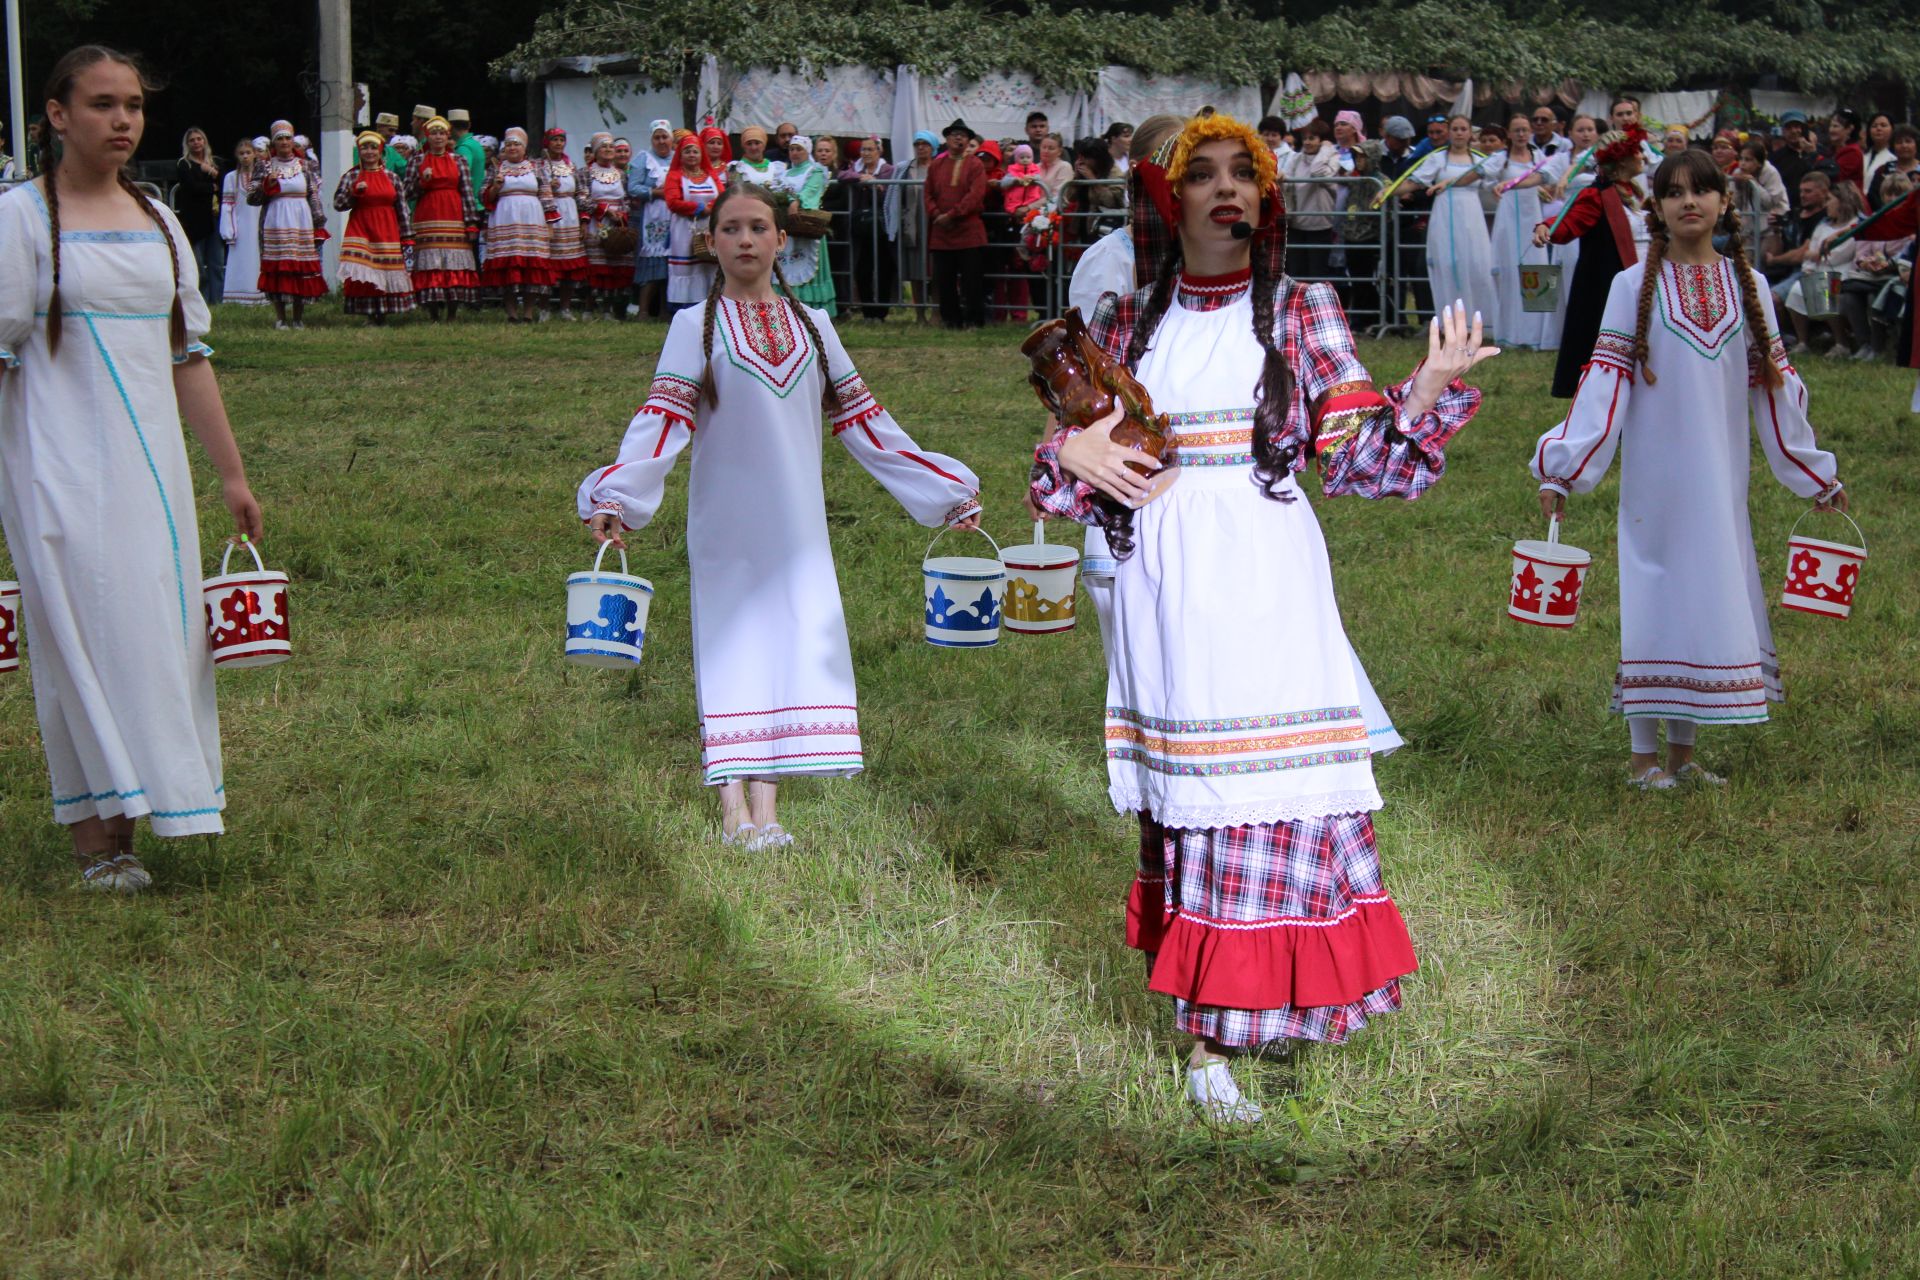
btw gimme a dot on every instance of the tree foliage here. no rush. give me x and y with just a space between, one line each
1065 48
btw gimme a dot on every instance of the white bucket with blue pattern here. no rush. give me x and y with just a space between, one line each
963 597
607 615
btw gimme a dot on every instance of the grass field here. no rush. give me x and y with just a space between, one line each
470 990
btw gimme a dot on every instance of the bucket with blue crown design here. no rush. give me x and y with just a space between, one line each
607 615
963 597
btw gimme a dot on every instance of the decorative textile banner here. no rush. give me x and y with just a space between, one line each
1771 102
1132 96
995 106
846 101
1660 109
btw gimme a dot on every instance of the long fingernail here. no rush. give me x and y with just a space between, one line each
1476 317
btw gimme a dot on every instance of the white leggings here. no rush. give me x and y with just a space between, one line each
1645 731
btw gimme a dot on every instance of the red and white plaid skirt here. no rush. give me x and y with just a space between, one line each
1269 932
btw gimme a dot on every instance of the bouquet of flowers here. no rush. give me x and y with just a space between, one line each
1039 233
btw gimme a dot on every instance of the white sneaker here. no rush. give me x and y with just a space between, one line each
741 837
633 309
281 324
566 313
120 873
1212 1089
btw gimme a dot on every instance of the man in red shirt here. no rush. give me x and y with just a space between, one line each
956 237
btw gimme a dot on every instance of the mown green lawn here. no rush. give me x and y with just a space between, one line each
471 990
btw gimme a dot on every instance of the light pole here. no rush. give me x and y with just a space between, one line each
337 154
17 87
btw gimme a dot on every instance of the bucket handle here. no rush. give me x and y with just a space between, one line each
944 532
1553 531
251 550
1837 511
1039 532
603 555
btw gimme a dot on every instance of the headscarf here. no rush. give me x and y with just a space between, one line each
1353 118
656 127
927 136
555 132
726 147
801 140
404 142
368 135
752 131
279 129
439 123
260 143
514 131
681 137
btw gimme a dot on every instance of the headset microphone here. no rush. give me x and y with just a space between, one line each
1241 231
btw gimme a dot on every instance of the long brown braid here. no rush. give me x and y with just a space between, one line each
754 191
707 387
1273 397
1643 315
59 88
1760 363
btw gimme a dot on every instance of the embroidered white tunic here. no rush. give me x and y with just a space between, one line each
1695 644
772 666
98 505
240 228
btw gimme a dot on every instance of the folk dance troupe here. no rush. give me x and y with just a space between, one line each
1240 727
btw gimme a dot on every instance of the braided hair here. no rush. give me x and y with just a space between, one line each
59 88
1273 462
751 190
1643 313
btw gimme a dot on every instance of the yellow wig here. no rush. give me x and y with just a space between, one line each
1210 126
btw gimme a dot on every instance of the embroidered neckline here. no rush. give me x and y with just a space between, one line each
765 340
1697 305
1206 293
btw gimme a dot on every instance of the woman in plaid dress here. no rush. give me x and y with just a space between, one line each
1236 712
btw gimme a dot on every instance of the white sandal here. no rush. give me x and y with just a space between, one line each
1699 774
1653 779
772 836
741 837
1212 1088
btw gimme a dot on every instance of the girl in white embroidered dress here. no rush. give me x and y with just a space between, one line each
1675 396
744 380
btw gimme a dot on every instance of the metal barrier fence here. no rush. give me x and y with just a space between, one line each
1375 258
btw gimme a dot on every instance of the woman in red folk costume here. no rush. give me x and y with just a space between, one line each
1240 727
1604 220
446 222
521 210
373 264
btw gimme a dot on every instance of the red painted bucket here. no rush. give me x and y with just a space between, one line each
247 614
9 626
1546 581
1821 575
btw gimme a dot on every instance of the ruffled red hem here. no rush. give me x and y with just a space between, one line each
445 280
1147 917
865 415
612 279
516 272
1304 965
571 268
361 289
292 282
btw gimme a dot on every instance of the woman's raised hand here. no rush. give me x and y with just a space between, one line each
1092 456
1553 504
1453 349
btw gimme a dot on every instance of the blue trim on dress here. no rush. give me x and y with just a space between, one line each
173 530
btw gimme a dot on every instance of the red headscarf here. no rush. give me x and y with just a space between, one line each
726 148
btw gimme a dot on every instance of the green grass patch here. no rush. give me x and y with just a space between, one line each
472 990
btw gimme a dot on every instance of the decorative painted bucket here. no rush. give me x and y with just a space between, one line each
1539 286
1040 581
607 615
963 597
1547 577
247 622
9 626
1821 575
1820 293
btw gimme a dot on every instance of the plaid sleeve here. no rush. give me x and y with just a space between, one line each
1366 444
1054 491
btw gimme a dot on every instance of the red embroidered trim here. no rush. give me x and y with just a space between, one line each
769 327
774 711
868 414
